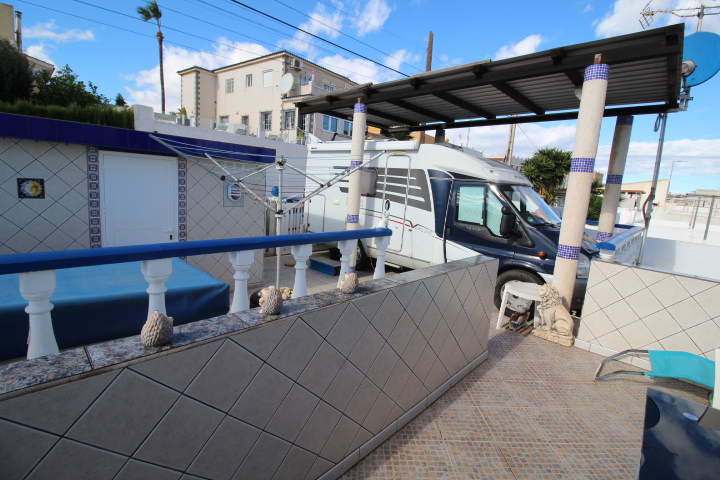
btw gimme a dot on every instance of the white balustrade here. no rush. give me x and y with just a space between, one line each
241 262
37 288
301 254
347 248
156 273
381 243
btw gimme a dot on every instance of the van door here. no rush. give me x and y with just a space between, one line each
473 221
394 181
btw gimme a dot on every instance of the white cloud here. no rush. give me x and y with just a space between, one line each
40 52
395 60
588 8
624 17
146 83
371 15
527 45
356 69
493 140
50 31
323 21
449 61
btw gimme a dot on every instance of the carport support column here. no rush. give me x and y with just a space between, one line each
611 196
357 151
577 198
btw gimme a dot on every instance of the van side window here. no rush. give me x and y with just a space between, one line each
478 205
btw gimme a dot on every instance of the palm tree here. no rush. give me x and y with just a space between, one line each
151 11
547 170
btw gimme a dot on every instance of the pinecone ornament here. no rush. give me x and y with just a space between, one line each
271 301
157 331
350 283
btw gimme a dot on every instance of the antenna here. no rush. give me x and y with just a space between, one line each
647 16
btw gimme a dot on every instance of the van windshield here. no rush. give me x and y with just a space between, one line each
530 205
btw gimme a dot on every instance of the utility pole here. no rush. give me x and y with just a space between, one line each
511 143
428 67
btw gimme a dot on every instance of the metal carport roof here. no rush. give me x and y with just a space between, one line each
644 79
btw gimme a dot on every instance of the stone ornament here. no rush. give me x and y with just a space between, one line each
556 323
271 301
350 283
157 331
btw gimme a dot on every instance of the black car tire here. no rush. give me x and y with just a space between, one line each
513 276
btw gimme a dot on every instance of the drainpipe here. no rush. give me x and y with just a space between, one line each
660 123
611 196
357 150
587 135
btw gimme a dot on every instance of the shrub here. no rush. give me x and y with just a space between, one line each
95 114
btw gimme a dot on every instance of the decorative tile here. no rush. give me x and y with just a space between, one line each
369 305
649 277
367 349
70 460
405 293
340 440
706 336
604 294
680 342
694 285
709 300
643 303
264 459
636 334
662 324
318 428
429 321
362 401
296 465
383 365
293 413
402 333
295 350
669 291
386 317
323 367
343 388
616 341
688 313
619 313
179 369
134 469
121 418
608 269
262 397
348 330
225 376
21 448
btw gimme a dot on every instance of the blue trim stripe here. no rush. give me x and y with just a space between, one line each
360 108
351 269
614 180
602 236
600 71
625 120
353 219
568 253
355 163
585 165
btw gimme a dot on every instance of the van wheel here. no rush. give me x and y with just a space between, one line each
362 261
514 302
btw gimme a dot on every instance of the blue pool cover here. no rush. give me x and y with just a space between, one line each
94 304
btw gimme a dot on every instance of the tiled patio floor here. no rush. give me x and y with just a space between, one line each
531 411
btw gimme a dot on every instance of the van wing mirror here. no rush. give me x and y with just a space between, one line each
507 222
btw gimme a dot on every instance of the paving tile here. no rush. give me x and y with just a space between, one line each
367 349
319 427
369 305
135 470
511 424
262 340
264 459
348 330
383 365
293 413
343 388
429 321
319 467
421 460
405 293
262 397
322 369
386 317
419 304
378 414
70 460
402 333
296 465
21 448
479 460
608 461
225 450
560 426
295 350
462 423
322 321
534 461
340 440
363 400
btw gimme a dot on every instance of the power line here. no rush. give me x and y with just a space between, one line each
377 27
349 36
528 137
319 38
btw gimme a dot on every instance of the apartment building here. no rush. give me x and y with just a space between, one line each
245 98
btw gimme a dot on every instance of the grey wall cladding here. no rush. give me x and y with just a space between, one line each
302 398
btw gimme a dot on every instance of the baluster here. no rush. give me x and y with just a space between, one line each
301 254
381 243
156 272
37 288
347 248
241 262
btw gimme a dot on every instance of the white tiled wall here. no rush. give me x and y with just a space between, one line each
636 308
208 219
60 220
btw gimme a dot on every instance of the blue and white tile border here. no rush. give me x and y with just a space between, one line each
93 182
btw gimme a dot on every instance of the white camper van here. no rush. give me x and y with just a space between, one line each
445 204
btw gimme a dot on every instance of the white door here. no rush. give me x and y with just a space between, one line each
139 199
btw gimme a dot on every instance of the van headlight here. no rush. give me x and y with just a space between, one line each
583 266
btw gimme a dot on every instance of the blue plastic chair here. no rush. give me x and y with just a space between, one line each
683 365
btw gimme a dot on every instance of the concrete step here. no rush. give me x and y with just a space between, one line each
322 263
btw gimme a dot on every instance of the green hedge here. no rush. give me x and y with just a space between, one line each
95 114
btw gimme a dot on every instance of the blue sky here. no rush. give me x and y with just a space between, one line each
394 33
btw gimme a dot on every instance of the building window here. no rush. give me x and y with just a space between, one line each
230 85
245 120
267 76
224 119
266 120
329 88
347 128
248 80
304 79
289 119
302 123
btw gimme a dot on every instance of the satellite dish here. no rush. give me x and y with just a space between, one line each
702 49
286 83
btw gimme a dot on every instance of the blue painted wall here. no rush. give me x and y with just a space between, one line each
112 138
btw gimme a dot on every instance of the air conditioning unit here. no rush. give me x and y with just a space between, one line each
296 64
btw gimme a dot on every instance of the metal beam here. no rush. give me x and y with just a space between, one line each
518 97
550 117
420 110
459 102
387 116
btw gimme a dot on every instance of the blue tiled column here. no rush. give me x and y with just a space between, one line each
611 196
357 150
592 106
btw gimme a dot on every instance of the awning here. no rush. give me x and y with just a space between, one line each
644 79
